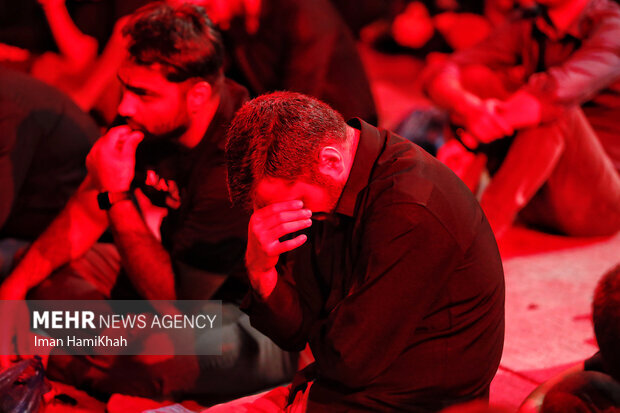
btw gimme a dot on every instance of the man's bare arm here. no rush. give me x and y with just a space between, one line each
446 91
70 235
111 162
478 116
145 260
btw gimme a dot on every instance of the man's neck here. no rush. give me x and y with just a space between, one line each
200 123
563 16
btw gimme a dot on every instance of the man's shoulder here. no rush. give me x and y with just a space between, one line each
603 12
45 111
413 174
407 175
30 93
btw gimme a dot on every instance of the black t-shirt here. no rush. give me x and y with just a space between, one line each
201 230
44 140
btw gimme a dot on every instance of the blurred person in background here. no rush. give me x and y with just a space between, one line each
59 41
550 142
44 140
297 45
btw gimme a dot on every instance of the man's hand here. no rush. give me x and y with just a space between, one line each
485 121
112 159
267 226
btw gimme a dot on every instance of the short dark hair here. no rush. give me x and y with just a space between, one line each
182 39
606 319
278 135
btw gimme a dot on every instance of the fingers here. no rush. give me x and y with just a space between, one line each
490 128
279 207
287 228
118 132
131 142
290 245
121 139
280 219
276 220
267 226
274 215
494 108
503 127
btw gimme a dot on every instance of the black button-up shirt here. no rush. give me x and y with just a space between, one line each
400 293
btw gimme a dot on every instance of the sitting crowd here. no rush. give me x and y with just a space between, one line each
243 162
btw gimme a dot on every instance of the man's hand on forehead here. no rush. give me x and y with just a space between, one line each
267 226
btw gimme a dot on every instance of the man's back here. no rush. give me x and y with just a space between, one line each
44 144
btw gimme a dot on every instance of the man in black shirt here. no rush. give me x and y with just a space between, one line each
395 279
177 106
44 141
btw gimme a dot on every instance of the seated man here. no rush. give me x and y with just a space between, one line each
43 144
560 164
597 388
395 280
177 106
298 45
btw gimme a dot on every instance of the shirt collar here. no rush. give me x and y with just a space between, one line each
368 150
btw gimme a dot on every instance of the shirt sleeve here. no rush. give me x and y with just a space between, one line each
287 315
409 258
589 69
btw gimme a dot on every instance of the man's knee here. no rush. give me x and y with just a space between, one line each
65 284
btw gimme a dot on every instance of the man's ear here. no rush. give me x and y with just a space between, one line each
198 95
331 162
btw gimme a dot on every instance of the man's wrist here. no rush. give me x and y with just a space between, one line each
467 104
263 283
523 109
106 199
13 288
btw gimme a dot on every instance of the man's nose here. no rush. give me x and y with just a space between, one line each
127 107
